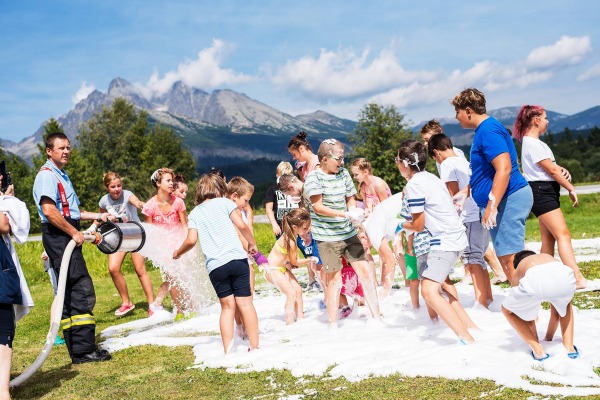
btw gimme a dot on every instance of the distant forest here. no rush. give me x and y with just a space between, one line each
577 151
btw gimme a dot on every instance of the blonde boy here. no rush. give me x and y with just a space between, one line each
331 192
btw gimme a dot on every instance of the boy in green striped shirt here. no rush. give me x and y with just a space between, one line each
332 206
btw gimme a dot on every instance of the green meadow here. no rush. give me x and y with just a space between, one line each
153 372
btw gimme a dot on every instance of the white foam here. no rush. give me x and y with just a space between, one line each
188 272
407 343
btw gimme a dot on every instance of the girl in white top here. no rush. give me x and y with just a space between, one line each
545 178
123 204
431 207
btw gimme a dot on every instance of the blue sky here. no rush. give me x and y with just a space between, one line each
300 56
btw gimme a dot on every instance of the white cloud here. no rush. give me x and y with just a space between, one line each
204 72
83 92
487 75
591 73
567 50
344 73
343 78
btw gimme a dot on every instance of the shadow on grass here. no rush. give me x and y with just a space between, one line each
44 382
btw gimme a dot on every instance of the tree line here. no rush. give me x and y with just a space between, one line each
118 139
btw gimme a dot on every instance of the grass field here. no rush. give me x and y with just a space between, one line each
152 372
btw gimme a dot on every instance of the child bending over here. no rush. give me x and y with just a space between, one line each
214 220
537 278
284 257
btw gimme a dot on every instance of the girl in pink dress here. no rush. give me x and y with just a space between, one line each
167 212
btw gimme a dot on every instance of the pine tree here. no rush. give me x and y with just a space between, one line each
379 131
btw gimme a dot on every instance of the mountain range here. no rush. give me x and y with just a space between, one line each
226 127
219 127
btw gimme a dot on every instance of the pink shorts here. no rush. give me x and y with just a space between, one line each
351 285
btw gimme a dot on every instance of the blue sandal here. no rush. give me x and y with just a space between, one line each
540 359
575 354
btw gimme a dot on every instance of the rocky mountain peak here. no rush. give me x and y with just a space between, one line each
119 85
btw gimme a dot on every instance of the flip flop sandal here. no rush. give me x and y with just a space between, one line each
124 309
574 354
540 359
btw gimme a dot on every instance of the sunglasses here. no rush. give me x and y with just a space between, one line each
336 158
397 160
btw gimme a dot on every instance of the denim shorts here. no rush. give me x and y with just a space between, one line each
421 265
509 234
479 240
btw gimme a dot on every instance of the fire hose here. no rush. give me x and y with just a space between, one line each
109 238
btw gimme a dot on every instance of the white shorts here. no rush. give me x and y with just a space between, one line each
553 282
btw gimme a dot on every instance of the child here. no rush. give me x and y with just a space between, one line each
214 220
380 228
168 212
373 190
538 278
545 178
351 287
123 205
410 260
455 172
433 128
293 189
276 202
240 191
431 207
331 192
195 267
284 257
180 188
429 130
417 245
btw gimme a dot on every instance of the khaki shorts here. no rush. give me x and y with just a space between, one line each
332 252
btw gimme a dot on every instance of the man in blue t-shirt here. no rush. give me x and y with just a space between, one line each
58 207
